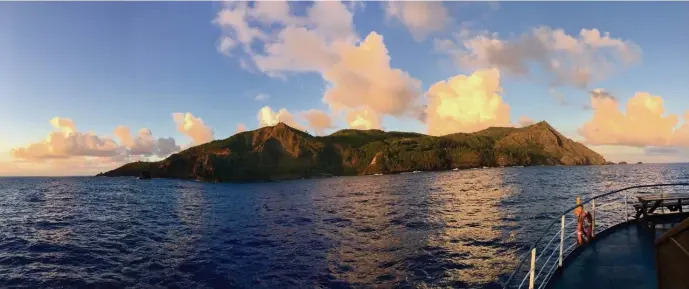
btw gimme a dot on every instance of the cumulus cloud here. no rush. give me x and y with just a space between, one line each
526 121
466 104
644 122
267 117
67 142
318 120
238 31
144 143
363 119
324 41
65 125
193 127
681 135
363 79
575 60
268 12
67 151
241 128
70 146
298 43
421 18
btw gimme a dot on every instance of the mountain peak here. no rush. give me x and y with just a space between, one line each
542 124
282 125
280 130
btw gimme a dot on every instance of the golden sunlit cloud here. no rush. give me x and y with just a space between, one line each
681 136
71 145
363 79
67 151
267 117
193 127
466 104
66 142
324 41
65 125
363 119
644 122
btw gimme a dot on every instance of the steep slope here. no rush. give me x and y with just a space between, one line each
539 140
282 152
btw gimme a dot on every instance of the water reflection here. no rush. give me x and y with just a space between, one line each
459 229
50 222
468 203
291 221
362 221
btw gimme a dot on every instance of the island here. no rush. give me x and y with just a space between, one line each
282 152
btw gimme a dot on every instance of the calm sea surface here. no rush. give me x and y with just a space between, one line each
461 229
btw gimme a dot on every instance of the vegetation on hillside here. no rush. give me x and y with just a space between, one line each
282 152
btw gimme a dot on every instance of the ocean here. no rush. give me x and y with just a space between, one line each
453 229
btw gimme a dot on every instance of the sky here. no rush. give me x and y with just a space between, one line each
88 86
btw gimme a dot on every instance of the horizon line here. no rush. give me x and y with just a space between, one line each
628 163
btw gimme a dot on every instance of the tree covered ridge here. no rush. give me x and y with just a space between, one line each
283 152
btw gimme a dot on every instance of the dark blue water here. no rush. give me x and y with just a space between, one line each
461 229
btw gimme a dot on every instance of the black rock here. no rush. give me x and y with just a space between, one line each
144 176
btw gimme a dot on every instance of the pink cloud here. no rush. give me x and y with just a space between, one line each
567 59
318 120
193 127
67 142
526 121
240 128
420 17
144 143
642 123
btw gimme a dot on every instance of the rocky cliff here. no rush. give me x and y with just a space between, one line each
282 152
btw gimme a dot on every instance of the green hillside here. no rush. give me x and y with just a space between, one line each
283 152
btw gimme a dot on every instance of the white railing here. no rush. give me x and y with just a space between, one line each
607 210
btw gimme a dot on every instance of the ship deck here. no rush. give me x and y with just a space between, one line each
620 257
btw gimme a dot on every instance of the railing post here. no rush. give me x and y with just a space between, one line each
626 214
562 239
532 273
593 218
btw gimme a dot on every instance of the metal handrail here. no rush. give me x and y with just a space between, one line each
532 253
